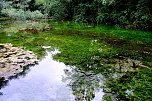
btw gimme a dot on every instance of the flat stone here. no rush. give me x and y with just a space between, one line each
14 59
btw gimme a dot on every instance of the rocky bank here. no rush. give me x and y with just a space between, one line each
13 60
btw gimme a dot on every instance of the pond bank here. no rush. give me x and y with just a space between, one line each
14 60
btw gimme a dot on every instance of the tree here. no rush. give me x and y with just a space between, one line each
21 9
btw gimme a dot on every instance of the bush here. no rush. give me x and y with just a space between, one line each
55 9
135 14
36 15
21 14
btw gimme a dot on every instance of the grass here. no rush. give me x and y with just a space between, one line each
87 48
129 35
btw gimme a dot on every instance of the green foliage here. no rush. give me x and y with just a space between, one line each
35 15
128 14
135 14
103 15
79 15
138 87
1 6
53 8
21 14
107 97
20 11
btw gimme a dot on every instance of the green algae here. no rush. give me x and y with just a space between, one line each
93 48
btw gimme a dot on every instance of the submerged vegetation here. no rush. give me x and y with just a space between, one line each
115 53
92 35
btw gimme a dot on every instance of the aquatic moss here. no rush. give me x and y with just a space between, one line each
89 48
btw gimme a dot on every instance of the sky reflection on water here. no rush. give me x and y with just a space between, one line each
50 81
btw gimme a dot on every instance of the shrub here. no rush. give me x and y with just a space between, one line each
21 14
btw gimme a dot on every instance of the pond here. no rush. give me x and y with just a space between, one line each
93 64
51 80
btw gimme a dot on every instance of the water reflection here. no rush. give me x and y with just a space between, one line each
51 80
4 82
42 83
86 86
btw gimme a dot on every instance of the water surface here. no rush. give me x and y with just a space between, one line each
51 80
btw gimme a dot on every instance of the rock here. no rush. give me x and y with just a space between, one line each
47 28
14 59
8 46
2 65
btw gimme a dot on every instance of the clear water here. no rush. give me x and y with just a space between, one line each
47 81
